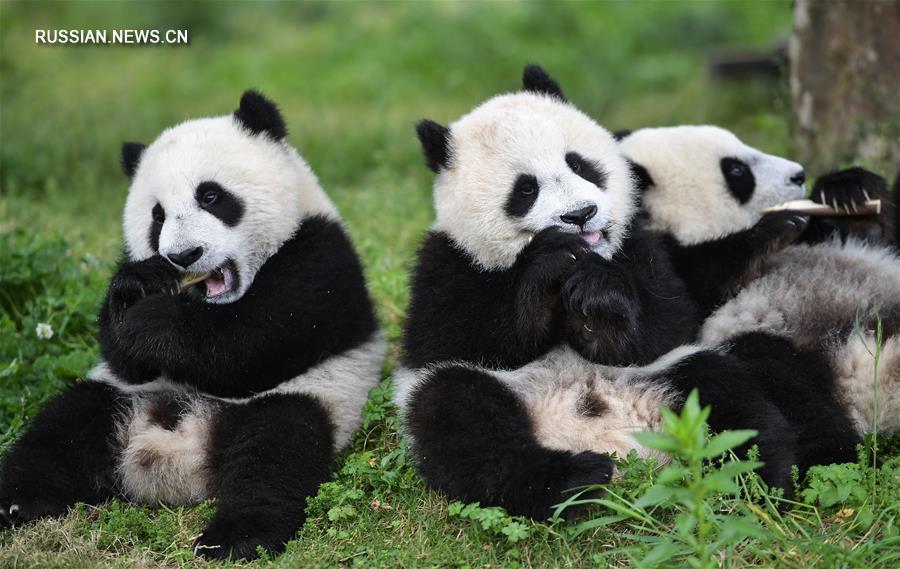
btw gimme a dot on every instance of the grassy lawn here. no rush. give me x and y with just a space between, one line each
352 79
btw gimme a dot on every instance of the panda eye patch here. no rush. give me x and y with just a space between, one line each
739 178
586 169
159 217
523 195
216 200
526 185
159 214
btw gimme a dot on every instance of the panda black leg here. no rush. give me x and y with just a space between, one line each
266 458
473 441
65 456
802 384
739 402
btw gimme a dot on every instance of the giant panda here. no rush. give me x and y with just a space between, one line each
704 189
240 387
531 284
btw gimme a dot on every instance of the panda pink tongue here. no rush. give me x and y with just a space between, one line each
591 238
218 283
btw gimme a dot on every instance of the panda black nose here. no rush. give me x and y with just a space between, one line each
579 216
187 257
798 178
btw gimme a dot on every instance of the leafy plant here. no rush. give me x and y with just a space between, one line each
491 519
688 487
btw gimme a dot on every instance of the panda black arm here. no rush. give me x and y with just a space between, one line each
714 270
629 310
848 190
132 281
501 318
307 302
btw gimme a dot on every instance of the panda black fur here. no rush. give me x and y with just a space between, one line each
812 292
242 387
503 394
846 190
528 201
715 238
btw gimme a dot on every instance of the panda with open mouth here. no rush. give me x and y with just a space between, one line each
238 338
533 285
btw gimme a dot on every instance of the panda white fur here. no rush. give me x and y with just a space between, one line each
532 282
812 292
240 388
737 181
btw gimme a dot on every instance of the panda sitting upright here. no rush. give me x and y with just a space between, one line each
243 385
532 277
704 189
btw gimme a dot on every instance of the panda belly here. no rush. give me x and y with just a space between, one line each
575 405
579 406
164 432
164 439
814 295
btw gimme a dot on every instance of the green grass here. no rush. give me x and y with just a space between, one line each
352 79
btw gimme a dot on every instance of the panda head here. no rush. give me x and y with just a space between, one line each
219 196
520 163
702 183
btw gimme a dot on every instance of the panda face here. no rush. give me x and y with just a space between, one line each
217 199
521 163
704 183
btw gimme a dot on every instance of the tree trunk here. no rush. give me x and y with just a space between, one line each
845 83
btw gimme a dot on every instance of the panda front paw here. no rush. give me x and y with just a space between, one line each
551 256
134 281
545 263
778 229
603 295
847 190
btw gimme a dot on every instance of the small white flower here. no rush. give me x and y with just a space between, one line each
43 331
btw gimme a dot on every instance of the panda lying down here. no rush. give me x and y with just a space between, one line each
702 191
243 386
536 281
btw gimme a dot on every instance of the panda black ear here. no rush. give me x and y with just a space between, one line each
131 157
620 134
536 80
435 140
259 114
641 176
